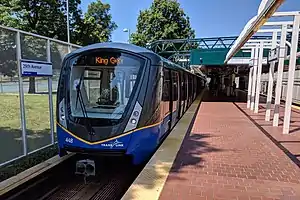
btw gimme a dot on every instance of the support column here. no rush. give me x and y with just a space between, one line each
249 87
290 84
282 50
271 80
21 93
50 94
259 69
250 79
254 78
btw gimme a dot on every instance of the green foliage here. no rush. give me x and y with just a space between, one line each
49 18
97 25
8 65
163 20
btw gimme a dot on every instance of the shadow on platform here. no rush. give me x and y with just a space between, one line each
288 143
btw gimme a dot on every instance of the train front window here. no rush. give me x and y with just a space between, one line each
101 84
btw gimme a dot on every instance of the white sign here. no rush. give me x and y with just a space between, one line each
273 55
36 68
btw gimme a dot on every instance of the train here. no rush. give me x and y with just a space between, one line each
119 99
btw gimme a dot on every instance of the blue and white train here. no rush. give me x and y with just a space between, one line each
120 99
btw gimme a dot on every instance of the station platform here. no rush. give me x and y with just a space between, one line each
228 153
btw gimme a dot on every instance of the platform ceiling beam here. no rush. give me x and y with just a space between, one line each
266 9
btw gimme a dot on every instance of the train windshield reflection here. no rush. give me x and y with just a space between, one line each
105 90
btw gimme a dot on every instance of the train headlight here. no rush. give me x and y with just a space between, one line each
134 118
133 121
136 113
62 116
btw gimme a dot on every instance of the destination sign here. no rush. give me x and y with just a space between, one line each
108 61
36 68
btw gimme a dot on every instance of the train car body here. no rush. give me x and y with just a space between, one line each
120 99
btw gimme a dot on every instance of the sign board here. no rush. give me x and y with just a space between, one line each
35 68
273 54
237 82
251 62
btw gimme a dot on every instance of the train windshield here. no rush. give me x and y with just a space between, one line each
102 84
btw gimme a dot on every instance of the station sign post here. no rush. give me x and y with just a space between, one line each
34 68
273 55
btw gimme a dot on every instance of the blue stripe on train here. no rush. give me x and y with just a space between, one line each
139 144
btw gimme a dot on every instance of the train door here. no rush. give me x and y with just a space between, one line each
166 99
192 89
182 93
186 81
195 87
175 99
189 90
179 94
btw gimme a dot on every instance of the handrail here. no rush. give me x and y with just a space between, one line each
38 36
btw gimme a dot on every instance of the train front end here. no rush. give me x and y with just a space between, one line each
99 100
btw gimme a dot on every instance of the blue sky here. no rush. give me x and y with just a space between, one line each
209 18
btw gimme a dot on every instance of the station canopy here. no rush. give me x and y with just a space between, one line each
266 9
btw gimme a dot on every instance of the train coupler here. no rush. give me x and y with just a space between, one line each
85 168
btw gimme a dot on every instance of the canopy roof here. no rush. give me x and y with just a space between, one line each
265 11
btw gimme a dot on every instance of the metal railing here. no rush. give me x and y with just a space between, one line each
27 120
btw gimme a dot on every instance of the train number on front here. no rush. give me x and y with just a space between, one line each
69 140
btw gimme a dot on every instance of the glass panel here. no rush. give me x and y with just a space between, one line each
102 84
166 93
37 120
11 145
58 52
35 95
175 90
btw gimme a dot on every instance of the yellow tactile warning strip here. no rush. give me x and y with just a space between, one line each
151 180
296 107
15 181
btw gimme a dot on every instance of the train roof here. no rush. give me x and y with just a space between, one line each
116 45
128 47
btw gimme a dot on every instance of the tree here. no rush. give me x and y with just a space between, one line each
163 20
49 18
35 16
97 25
8 65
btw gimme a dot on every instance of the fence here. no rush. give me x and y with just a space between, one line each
27 105
296 86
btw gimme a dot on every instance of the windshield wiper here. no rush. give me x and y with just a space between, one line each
83 109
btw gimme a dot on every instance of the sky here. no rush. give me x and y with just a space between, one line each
209 18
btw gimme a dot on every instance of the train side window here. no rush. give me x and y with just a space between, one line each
175 85
190 88
183 90
186 81
166 86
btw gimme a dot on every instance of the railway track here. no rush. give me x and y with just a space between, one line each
112 179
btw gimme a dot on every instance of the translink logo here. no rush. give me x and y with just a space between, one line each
116 143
